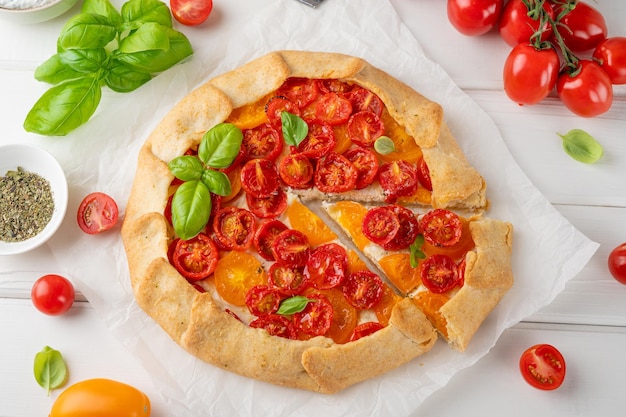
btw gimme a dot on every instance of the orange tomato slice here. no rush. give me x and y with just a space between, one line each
342 138
355 263
235 274
345 316
456 251
250 115
430 303
405 145
350 216
398 269
384 307
304 220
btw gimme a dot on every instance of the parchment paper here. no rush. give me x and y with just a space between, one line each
548 250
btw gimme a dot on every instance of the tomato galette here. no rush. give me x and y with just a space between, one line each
310 221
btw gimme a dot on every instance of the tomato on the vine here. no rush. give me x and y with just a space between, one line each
191 12
52 294
474 17
582 28
517 24
543 367
611 55
530 73
587 91
617 263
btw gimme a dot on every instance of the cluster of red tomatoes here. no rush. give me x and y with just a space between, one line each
557 44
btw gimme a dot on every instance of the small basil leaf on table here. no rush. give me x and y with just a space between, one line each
293 305
294 128
581 146
84 60
103 8
50 369
150 36
137 12
86 31
220 145
217 182
191 208
122 79
186 168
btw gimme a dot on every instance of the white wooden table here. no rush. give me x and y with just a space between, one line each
587 321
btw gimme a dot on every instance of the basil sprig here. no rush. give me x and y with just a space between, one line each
416 250
50 370
293 305
103 46
191 204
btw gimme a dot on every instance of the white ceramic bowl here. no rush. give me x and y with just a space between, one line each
48 10
38 161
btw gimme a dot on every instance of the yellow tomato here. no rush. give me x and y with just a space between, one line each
250 115
235 274
430 303
101 398
350 216
405 146
397 267
307 222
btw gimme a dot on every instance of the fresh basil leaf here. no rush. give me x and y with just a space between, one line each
86 31
54 71
186 168
84 60
191 208
149 36
122 79
157 60
64 107
581 146
293 305
384 145
137 12
220 145
103 8
217 182
294 128
50 369
416 250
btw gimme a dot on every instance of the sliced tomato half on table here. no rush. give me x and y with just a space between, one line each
97 212
191 12
543 367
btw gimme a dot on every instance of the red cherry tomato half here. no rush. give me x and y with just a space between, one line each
96 213
588 91
296 170
327 266
397 178
617 263
319 140
474 17
268 207
423 174
366 164
380 225
516 26
276 325
335 174
365 329
530 74
265 235
409 229
333 109
259 177
234 228
274 108
302 91
611 55
365 127
439 273
363 289
196 258
543 367
583 28
291 248
52 294
288 280
262 141
317 316
191 12
441 227
364 100
262 300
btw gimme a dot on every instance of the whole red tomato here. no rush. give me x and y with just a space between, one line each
529 73
583 28
611 55
518 24
52 294
617 263
474 17
586 91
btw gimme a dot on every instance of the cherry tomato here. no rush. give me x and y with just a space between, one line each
196 258
52 294
234 228
363 99
588 91
291 248
334 86
611 55
516 26
265 235
191 12
335 174
235 274
381 225
302 91
262 300
333 109
319 140
101 398
365 127
439 273
365 329
397 178
583 28
276 325
262 141
317 316
97 213
363 289
296 170
274 108
366 164
423 174
259 177
543 367
617 263
268 207
409 229
288 280
441 227
529 73
474 17
327 266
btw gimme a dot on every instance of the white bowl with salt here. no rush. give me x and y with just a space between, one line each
33 11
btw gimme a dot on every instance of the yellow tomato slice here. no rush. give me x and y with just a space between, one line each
384 307
406 148
342 138
398 269
345 316
355 263
350 216
250 115
304 220
235 274
430 303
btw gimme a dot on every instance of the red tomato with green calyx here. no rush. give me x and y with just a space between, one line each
586 91
611 56
96 213
517 24
583 28
52 294
529 73
474 17
617 263
191 12
543 367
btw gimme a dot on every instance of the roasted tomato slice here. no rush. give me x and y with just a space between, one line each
366 164
288 280
319 141
363 99
439 273
409 229
262 300
365 329
276 106
363 289
441 227
195 258
317 316
268 207
296 170
259 177
327 266
276 325
423 174
335 174
381 225
303 219
301 91
291 248
333 86
543 367
397 178
262 141
365 127
235 274
265 235
345 316
333 109
234 228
